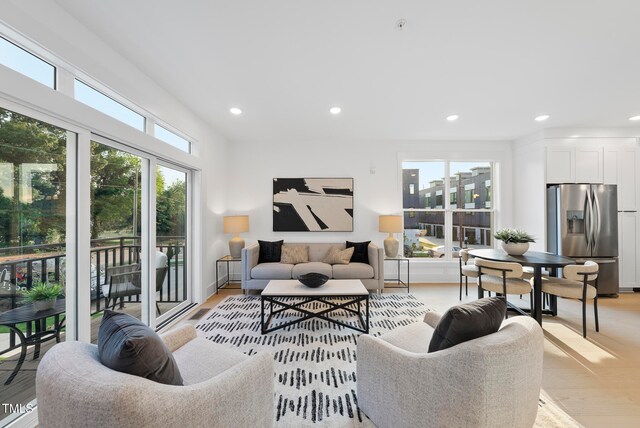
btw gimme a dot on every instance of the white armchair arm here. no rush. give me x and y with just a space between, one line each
432 318
177 337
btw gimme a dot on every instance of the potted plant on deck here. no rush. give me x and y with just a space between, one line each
43 295
514 242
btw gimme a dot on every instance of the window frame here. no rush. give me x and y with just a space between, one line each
448 208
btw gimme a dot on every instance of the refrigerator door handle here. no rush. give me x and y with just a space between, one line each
587 220
597 222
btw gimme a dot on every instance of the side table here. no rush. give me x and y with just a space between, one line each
398 279
228 260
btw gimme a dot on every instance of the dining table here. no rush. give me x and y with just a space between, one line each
37 330
535 259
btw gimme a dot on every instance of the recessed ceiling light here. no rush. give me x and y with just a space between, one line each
542 118
335 110
235 110
634 118
452 118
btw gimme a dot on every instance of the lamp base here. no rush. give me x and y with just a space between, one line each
236 244
391 246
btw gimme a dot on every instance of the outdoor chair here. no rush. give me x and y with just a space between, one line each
124 281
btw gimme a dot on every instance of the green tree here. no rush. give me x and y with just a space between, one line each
33 175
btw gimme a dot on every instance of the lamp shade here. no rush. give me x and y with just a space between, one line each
390 223
236 223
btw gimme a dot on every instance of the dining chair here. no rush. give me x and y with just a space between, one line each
503 278
467 270
574 285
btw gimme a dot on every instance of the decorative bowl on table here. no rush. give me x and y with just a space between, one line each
313 279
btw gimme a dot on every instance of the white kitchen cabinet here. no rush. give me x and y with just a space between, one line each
561 164
629 240
589 164
611 162
628 180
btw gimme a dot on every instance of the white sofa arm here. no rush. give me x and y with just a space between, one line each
376 257
249 260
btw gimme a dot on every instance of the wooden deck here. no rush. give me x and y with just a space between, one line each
23 388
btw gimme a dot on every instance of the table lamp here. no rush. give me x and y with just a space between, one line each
390 224
236 224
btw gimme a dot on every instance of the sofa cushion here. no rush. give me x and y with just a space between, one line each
353 271
317 267
270 252
360 252
201 359
294 254
468 321
271 271
338 256
127 345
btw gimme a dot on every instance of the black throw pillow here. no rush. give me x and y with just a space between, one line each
468 321
270 252
360 251
126 345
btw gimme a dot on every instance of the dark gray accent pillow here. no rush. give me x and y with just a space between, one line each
468 321
360 251
126 345
270 251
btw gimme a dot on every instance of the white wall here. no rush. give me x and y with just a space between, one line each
529 195
56 32
377 184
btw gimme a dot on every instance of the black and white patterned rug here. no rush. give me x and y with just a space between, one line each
315 361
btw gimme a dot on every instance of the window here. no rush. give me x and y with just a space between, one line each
466 219
99 101
412 189
171 138
26 63
33 203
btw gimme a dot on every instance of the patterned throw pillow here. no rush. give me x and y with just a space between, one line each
337 256
294 254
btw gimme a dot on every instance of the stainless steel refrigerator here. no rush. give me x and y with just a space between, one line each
582 223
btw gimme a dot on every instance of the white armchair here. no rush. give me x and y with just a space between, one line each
493 381
222 388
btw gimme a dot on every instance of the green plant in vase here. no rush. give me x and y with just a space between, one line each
515 242
43 295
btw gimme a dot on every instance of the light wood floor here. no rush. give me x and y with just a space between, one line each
595 380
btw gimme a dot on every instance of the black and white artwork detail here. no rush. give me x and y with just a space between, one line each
313 204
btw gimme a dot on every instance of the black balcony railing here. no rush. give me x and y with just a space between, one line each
20 267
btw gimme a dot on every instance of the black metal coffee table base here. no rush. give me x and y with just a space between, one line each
346 304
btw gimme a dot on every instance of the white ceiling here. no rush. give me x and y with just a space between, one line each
496 63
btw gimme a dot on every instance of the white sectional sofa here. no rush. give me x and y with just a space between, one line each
256 276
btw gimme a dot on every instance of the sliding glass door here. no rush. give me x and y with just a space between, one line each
172 227
116 232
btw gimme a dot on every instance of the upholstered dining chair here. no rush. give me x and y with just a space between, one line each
467 270
503 278
574 285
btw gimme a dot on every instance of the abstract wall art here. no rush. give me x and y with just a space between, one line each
313 204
